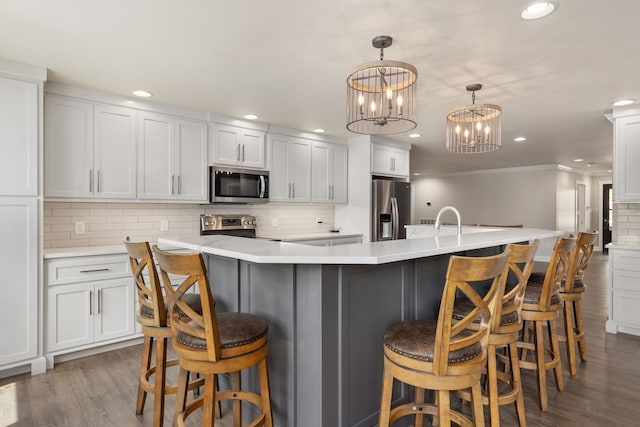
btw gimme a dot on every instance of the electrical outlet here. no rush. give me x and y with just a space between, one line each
274 221
164 225
318 220
78 227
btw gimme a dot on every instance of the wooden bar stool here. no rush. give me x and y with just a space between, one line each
541 307
443 355
152 316
213 343
504 333
571 291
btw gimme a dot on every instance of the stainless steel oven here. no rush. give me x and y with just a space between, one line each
234 185
232 225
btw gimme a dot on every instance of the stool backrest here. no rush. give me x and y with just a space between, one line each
452 334
185 319
580 256
519 266
556 270
149 290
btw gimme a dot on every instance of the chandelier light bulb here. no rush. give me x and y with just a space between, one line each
360 99
373 106
389 93
486 130
479 126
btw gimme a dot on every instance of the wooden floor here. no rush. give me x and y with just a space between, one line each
101 390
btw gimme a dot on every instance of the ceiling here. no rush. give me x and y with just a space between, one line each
287 61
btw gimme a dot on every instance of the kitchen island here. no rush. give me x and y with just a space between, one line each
328 307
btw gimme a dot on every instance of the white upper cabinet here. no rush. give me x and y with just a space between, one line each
626 157
389 160
172 158
235 146
90 150
328 173
18 137
290 176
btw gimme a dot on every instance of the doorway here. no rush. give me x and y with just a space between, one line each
607 215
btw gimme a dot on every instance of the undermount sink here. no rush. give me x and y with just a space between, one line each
419 231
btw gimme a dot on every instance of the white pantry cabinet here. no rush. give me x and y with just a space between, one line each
328 173
290 176
18 137
624 291
389 160
90 302
236 146
90 150
626 157
172 158
18 279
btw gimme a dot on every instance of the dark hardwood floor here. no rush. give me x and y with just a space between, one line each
101 390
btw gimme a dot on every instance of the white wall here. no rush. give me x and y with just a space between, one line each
498 197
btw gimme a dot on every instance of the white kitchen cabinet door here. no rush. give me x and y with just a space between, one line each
328 173
19 284
290 176
155 157
114 311
69 316
114 152
18 137
68 148
235 146
388 160
626 174
190 161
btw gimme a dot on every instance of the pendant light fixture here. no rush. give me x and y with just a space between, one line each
381 95
474 128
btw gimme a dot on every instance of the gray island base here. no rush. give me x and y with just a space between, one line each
328 308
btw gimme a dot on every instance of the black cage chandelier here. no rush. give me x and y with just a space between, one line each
474 128
381 95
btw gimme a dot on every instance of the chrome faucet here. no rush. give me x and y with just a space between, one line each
448 208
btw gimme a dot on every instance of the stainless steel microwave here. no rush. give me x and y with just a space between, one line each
234 185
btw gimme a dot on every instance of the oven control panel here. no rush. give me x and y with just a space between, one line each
227 222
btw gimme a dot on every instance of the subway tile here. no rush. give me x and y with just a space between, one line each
55 228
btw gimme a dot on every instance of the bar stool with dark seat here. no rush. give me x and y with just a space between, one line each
443 355
152 316
504 334
541 307
213 343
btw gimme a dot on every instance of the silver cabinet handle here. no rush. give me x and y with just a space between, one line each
90 303
238 152
90 180
98 183
95 270
289 195
173 177
179 184
293 190
99 300
243 152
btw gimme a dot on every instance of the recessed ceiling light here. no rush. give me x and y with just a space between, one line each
624 102
251 117
319 130
415 135
578 160
519 139
416 174
142 93
539 9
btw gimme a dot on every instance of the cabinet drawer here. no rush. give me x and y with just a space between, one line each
626 306
629 280
83 269
626 260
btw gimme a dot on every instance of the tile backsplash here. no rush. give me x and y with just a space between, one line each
108 223
627 228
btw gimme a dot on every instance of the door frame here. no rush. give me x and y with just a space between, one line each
600 213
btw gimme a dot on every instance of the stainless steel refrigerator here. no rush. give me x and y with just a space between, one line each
391 209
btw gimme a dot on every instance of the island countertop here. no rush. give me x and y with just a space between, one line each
264 251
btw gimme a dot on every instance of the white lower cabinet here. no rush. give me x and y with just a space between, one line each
624 292
90 302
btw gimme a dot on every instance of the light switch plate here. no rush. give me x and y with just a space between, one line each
164 225
78 227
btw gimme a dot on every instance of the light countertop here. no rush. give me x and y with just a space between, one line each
270 252
634 246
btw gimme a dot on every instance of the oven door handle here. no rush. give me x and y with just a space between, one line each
262 187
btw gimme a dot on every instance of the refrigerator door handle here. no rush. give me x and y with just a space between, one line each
395 219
